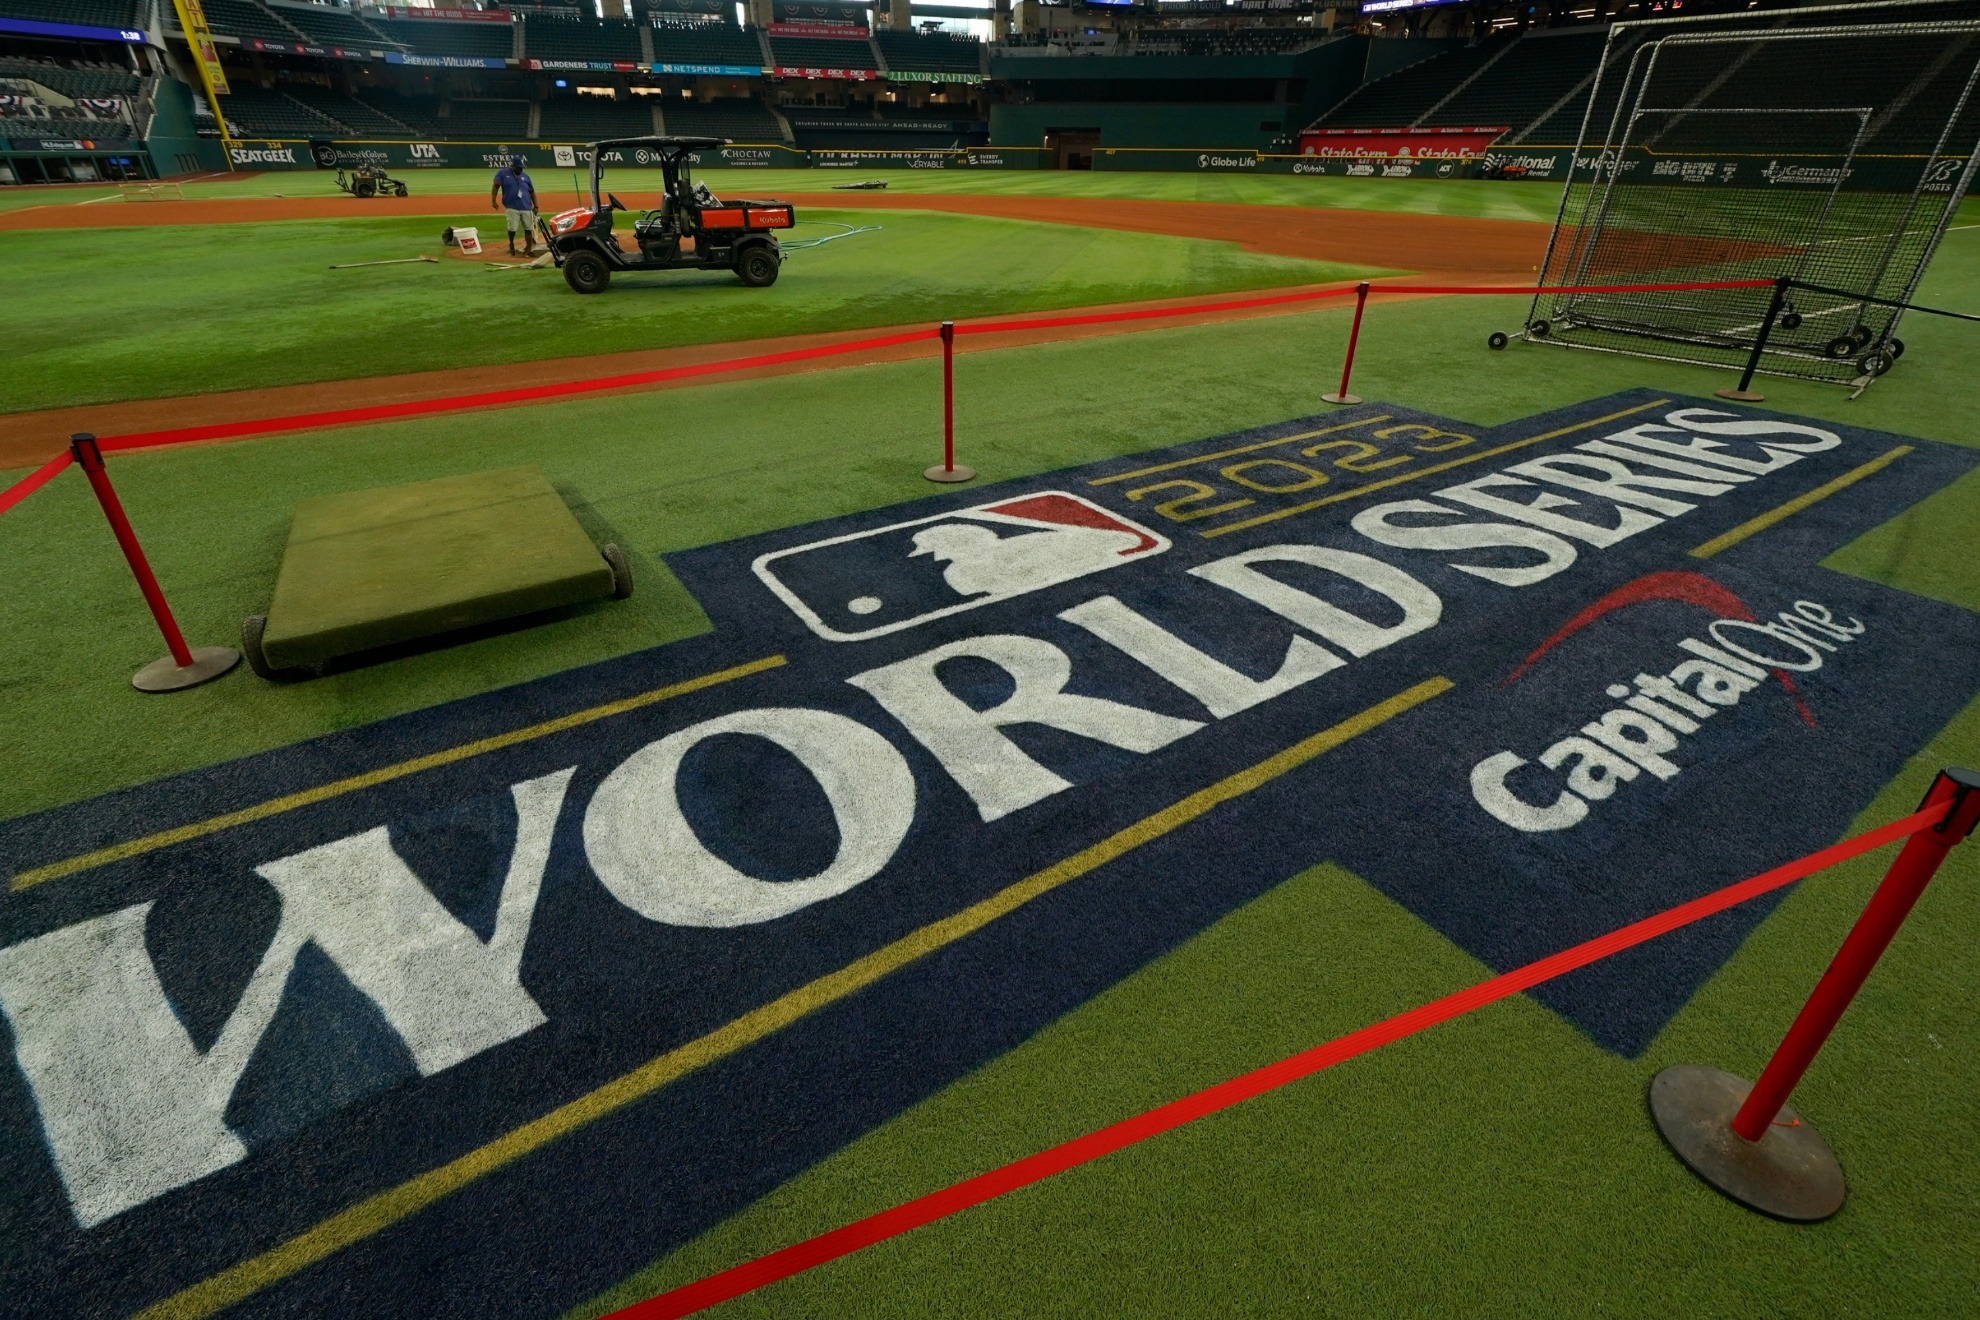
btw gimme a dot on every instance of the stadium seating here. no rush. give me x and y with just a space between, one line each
332 27
556 38
418 113
258 112
1533 76
1932 105
64 127
705 43
1563 127
440 37
361 119
590 118
242 18
1397 100
915 52
86 13
486 121
82 80
822 53
737 120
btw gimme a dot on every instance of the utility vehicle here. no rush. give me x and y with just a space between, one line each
690 230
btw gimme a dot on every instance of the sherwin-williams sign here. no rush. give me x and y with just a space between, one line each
546 982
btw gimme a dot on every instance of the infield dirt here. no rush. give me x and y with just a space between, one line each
1438 248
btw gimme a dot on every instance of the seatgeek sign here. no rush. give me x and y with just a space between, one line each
483 1007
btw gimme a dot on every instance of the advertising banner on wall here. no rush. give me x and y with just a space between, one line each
446 61
298 48
711 70
584 66
298 155
448 15
843 75
845 30
67 144
1398 143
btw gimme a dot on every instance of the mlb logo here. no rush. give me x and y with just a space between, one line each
851 588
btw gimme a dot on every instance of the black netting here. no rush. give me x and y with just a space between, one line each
1779 146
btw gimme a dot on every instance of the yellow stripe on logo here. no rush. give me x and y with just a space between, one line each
381 1211
1753 526
117 852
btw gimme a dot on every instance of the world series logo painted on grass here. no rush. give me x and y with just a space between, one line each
938 774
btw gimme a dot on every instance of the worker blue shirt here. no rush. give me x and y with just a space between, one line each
518 193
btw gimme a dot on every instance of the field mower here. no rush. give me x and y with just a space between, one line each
689 230
369 181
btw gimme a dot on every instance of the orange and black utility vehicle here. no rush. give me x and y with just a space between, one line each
690 230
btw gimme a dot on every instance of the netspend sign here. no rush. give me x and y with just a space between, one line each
680 924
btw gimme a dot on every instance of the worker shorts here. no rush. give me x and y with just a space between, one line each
521 220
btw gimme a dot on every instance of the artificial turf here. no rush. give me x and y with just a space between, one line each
102 315
1499 1165
560 188
664 471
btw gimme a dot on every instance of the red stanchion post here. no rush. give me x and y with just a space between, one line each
949 472
1746 1141
184 667
1354 337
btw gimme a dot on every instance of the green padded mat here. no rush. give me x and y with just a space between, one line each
369 568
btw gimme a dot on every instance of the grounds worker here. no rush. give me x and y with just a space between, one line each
513 193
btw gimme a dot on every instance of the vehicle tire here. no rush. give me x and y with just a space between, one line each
1874 364
622 583
757 267
400 190
1496 340
363 188
252 628
1539 329
1841 346
586 272
1790 320
1895 347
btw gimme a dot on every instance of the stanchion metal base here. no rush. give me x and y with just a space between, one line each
1742 396
1341 398
1790 1173
950 474
165 675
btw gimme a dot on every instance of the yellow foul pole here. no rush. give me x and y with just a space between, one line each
206 57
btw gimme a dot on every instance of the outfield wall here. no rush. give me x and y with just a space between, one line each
299 154
1536 164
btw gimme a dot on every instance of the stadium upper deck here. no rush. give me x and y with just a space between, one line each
828 76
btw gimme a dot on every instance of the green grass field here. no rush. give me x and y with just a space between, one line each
158 317
560 188
1500 1165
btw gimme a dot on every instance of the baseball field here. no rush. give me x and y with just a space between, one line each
684 1093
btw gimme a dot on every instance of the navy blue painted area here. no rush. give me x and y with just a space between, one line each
332 1107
